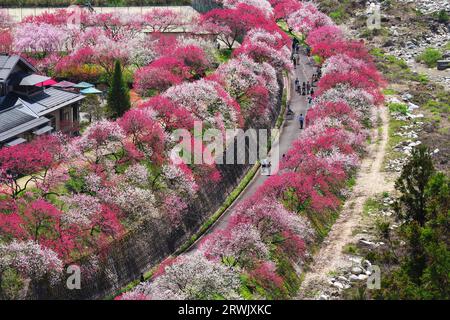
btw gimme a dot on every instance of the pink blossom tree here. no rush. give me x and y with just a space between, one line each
100 140
163 20
31 260
193 277
39 39
206 100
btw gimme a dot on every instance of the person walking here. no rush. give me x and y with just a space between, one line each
296 57
308 87
301 120
312 92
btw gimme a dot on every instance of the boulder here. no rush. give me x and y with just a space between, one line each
357 270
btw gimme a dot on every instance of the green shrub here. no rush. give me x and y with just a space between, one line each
430 57
443 16
398 107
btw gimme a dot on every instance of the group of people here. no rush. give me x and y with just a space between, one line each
305 89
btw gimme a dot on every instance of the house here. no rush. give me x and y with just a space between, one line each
28 109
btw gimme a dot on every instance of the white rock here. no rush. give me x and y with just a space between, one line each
367 243
412 106
362 277
356 270
353 278
366 264
338 285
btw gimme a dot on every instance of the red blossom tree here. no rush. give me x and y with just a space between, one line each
231 24
6 41
30 162
146 133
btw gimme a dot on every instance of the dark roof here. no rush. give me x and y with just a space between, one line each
7 64
14 121
52 98
12 118
9 101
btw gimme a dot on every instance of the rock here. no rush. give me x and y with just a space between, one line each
412 106
367 243
389 43
324 297
357 270
343 279
407 96
366 264
368 272
357 260
353 278
362 277
338 285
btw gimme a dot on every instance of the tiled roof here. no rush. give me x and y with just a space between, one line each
14 121
7 64
53 99
12 118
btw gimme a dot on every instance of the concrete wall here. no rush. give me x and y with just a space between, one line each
17 14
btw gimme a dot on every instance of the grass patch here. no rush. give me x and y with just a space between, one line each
280 119
395 69
322 223
394 139
350 248
438 108
371 205
224 55
389 92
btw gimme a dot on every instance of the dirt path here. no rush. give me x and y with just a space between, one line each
370 181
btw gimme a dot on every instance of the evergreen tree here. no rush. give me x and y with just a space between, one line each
118 96
424 204
412 183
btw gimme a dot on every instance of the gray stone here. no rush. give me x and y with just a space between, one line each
363 277
357 270
338 285
353 278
